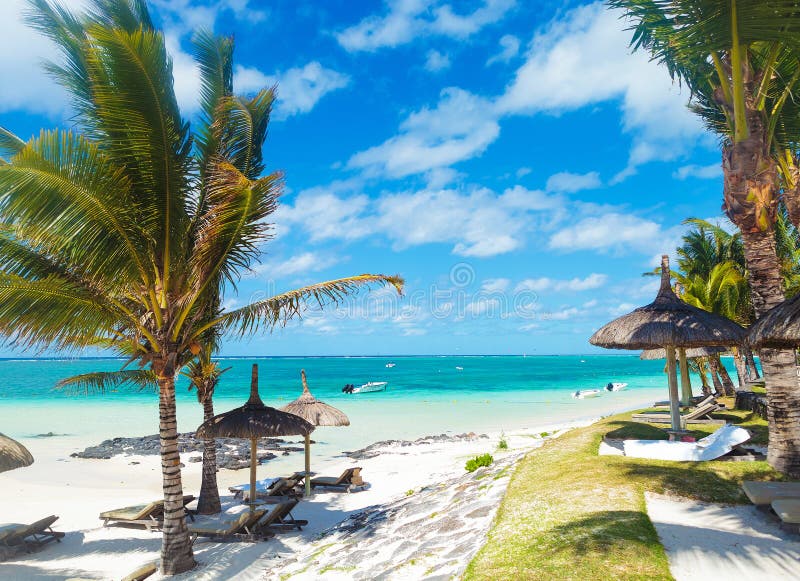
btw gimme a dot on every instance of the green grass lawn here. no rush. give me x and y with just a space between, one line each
571 514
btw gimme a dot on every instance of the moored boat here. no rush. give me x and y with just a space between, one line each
587 393
370 387
616 386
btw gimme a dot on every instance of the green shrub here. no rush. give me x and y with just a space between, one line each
478 462
502 444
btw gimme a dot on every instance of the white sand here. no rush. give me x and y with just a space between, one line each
77 490
708 541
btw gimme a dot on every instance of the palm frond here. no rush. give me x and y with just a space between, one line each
214 57
240 128
278 310
10 144
105 381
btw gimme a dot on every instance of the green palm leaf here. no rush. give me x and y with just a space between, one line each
105 381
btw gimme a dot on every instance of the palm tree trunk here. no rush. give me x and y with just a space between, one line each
701 366
751 199
727 383
209 502
176 548
738 361
713 366
752 368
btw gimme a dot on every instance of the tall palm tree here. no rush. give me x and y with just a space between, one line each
729 53
109 241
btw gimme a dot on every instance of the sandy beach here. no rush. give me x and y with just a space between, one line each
77 490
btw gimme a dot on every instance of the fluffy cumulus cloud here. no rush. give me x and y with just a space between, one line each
577 284
304 262
613 231
579 60
436 61
299 88
509 48
571 182
476 223
701 172
405 20
461 126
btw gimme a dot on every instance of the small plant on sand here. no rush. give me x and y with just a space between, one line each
479 461
409 492
502 444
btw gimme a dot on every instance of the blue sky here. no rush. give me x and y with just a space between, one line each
512 160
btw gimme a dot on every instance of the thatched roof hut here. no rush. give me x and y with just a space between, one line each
650 354
779 327
317 413
252 421
13 455
668 321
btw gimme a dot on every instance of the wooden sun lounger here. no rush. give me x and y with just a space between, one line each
349 479
279 517
762 494
697 401
696 416
29 537
788 511
242 528
149 516
281 488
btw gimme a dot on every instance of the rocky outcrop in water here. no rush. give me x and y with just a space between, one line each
375 449
232 453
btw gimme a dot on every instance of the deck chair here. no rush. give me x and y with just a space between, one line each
262 487
696 401
788 511
29 537
699 415
762 494
240 528
279 517
349 479
142 572
713 446
148 516
280 488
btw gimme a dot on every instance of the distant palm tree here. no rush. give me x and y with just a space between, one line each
109 240
739 59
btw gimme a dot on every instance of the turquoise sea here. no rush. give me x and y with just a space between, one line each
425 395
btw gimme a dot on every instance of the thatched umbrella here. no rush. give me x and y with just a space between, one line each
683 356
317 413
670 323
252 421
779 328
13 454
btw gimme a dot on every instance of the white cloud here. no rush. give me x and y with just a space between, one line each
186 16
406 20
299 88
701 172
613 231
324 215
495 285
621 309
571 182
436 61
561 315
461 126
509 48
297 264
523 171
590 282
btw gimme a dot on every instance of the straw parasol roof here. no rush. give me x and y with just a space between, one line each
254 420
650 354
317 413
314 411
668 321
13 454
779 327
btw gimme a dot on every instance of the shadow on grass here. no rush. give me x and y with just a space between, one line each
609 531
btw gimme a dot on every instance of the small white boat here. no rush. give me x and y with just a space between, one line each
459 368
616 386
370 387
587 393
390 365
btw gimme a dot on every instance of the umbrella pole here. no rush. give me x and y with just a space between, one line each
672 376
686 382
253 462
308 465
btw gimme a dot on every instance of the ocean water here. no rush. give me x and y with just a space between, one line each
425 395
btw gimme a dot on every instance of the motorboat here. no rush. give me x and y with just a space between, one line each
587 393
616 386
390 365
459 368
371 387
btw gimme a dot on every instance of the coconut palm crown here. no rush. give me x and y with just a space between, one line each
120 233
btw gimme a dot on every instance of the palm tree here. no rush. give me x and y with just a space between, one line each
729 54
108 239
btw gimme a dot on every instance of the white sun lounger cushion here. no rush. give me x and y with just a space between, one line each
261 485
709 448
